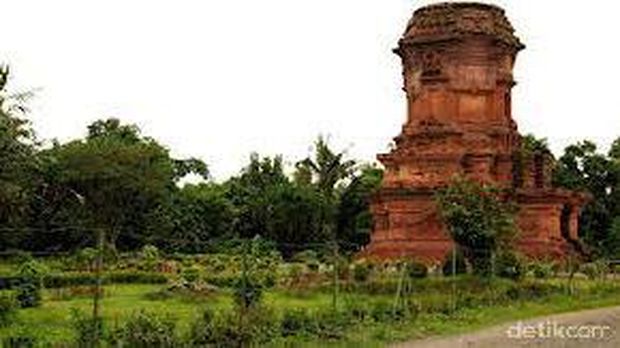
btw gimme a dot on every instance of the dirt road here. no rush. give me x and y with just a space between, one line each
590 328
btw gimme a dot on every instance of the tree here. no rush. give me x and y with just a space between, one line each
354 220
268 204
581 167
114 179
17 161
199 214
479 219
325 172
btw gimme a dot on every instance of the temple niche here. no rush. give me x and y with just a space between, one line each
457 63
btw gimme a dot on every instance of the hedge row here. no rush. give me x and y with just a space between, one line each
61 280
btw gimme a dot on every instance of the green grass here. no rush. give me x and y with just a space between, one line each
51 323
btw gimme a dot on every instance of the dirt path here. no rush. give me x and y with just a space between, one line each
590 328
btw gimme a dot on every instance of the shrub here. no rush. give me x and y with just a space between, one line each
28 294
125 277
86 258
247 293
297 322
508 265
8 309
31 274
190 274
150 257
448 263
361 272
23 339
88 330
541 270
594 270
234 329
202 331
416 270
145 329
305 256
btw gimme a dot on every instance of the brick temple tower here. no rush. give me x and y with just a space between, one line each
457 67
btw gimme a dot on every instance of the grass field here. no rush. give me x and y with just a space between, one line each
51 322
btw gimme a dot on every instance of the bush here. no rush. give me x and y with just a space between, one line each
461 265
594 270
88 330
247 293
190 274
306 256
541 270
248 328
145 329
150 257
22 339
28 294
86 258
203 331
416 270
298 322
31 274
8 309
508 265
361 272
126 277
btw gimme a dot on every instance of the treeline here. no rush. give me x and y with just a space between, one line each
118 181
123 183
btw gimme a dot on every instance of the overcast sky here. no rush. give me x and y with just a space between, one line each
220 79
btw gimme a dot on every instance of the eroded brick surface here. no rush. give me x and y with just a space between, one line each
457 62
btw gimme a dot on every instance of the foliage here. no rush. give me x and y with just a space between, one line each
509 265
582 167
416 269
454 263
60 280
269 205
88 330
8 309
594 270
145 329
115 179
479 220
354 220
150 257
612 243
541 269
230 329
197 215
31 274
18 163
361 271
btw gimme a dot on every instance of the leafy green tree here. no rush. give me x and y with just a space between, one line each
581 167
199 214
114 179
354 220
17 162
268 204
327 171
479 219
249 194
613 239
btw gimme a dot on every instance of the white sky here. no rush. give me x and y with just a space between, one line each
220 79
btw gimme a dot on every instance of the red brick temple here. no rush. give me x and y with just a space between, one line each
457 67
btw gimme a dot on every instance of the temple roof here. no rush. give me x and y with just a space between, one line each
450 20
